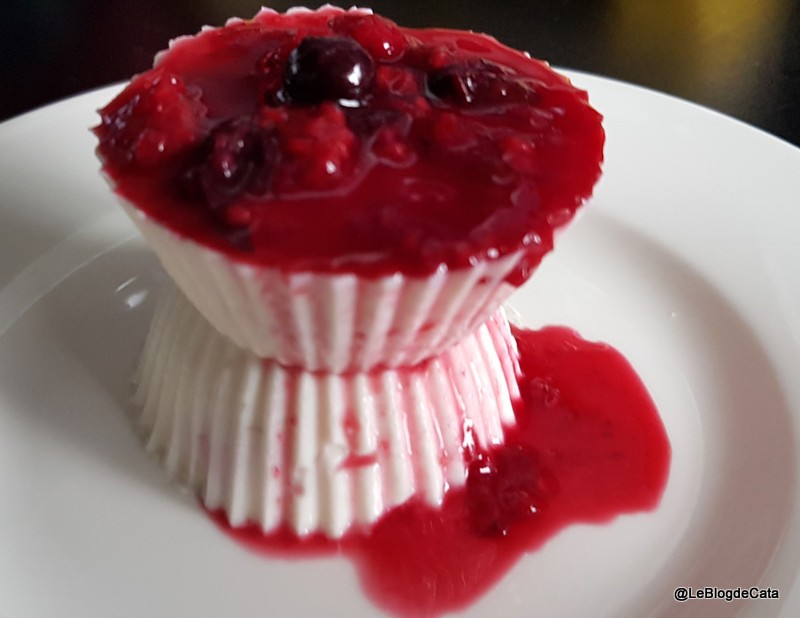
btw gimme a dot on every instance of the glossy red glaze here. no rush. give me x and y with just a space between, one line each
454 148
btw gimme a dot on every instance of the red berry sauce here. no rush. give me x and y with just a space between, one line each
588 446
336 141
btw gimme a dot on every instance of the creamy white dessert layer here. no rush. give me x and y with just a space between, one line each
331 322
316 452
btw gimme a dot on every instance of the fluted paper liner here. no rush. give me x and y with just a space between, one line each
331 322
318 452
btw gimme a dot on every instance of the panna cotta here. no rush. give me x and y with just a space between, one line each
343 205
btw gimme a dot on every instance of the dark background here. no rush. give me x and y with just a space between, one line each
741 57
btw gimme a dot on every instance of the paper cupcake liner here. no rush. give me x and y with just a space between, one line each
331 322
277 446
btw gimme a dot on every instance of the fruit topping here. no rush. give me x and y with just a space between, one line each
379 36
477 82
504 487
328 69
338 141
239 158
317 149
154 119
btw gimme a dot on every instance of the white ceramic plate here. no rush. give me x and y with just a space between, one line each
687 260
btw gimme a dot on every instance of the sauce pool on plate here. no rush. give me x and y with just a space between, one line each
588 446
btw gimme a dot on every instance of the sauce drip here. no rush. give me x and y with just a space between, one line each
588 445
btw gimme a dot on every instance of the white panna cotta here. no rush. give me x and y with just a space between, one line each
331 322
316 452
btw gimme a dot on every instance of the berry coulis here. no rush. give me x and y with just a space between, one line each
588 445
336 141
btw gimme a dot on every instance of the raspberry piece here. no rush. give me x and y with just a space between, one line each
155 119
503 487
328 69
318 149
380 37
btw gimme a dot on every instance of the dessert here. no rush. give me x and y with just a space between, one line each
370 219
344 205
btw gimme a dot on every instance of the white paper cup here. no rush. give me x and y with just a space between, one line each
331 322
319 453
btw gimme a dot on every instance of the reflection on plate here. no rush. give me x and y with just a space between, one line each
684 261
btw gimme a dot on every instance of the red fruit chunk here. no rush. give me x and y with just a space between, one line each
380 37
503 487
317 149
478 83
233 153
240 159
155 118
328 69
